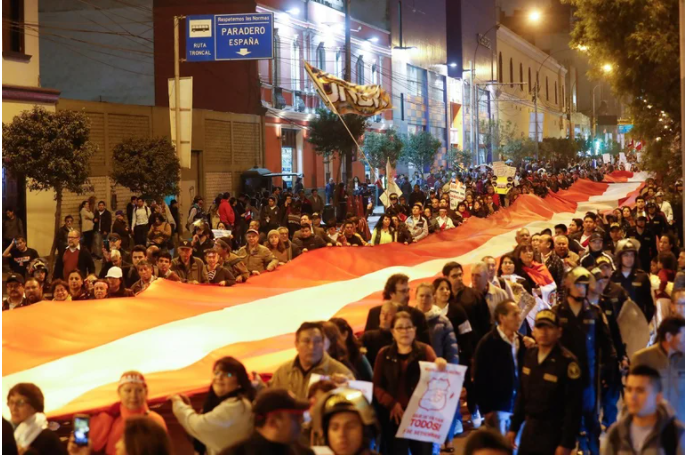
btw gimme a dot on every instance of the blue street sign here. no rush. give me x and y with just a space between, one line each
623 129
216 37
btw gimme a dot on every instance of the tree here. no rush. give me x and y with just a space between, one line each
146 166
497 135
52 150
519 148
420 149
639 39
561 151
329 137
457 157
381 147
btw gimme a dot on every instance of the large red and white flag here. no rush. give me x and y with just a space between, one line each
173 332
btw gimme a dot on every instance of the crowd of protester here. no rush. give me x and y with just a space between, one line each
547 373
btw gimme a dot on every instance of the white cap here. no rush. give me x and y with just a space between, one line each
114 272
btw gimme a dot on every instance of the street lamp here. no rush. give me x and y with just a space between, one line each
535 16
607 68
475 134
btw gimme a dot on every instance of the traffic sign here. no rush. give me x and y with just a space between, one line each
217 37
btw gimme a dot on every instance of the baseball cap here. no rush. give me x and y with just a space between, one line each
273 400
316 215
614 226
596 236
659 194
16 278
114 272
597 273
252 231
546 317
114 237
185 244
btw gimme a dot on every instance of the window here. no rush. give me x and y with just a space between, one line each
530 82
563 97
416 78
547 88
13 26
360 70
556 99
321 57
511 72
500 77
521 75
374 74
295 66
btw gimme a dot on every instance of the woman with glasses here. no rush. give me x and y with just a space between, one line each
226 416
396 374
26 404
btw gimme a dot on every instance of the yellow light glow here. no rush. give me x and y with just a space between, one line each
582 48
535 15
607 68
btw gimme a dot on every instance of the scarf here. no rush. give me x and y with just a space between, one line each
27 431
211 402
538 273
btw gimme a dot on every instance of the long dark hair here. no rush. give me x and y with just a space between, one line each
245 390
144 436
379 227
353 345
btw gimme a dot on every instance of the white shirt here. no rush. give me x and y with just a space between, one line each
140 216
513 343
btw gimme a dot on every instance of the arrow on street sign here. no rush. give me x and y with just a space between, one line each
243 52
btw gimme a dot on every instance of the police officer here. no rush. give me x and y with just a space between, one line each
630 277
551 392
646 242
595 251
345 422
586 335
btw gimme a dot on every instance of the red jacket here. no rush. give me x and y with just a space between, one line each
226 213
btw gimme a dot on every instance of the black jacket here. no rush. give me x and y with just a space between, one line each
258 445
387 372
477 311
85 263
374 341
639 288
373 321
496 377
104 220
46 443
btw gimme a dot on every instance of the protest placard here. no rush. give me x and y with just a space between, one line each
606 158
433 404
457 194
218 233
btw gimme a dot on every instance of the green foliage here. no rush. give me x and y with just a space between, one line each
562 151
499 135
328 134
146 166
457 157
518 149
52 149
381 147
420 149
639 38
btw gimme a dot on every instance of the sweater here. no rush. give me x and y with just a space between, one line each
666 431
225 425
292 377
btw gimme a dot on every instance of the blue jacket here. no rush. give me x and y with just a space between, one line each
443 339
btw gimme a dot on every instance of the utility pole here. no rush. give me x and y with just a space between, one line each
348 46
177 85
535 103
681 15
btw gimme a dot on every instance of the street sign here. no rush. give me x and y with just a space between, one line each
217 37
623 129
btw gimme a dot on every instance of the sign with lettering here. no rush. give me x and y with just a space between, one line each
431 407
501 169
457 194
217 37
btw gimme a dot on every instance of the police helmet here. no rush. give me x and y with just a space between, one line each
343 400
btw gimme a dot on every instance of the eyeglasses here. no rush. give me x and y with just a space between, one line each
219 373
18 403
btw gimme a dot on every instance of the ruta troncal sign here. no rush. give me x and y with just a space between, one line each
216 37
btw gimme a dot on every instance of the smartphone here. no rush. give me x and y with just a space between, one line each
105 243
81 429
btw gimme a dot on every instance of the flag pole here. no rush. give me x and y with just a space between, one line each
329 104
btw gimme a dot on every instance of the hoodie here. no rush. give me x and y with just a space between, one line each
667 431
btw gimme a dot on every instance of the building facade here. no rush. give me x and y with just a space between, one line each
21 91
521 68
